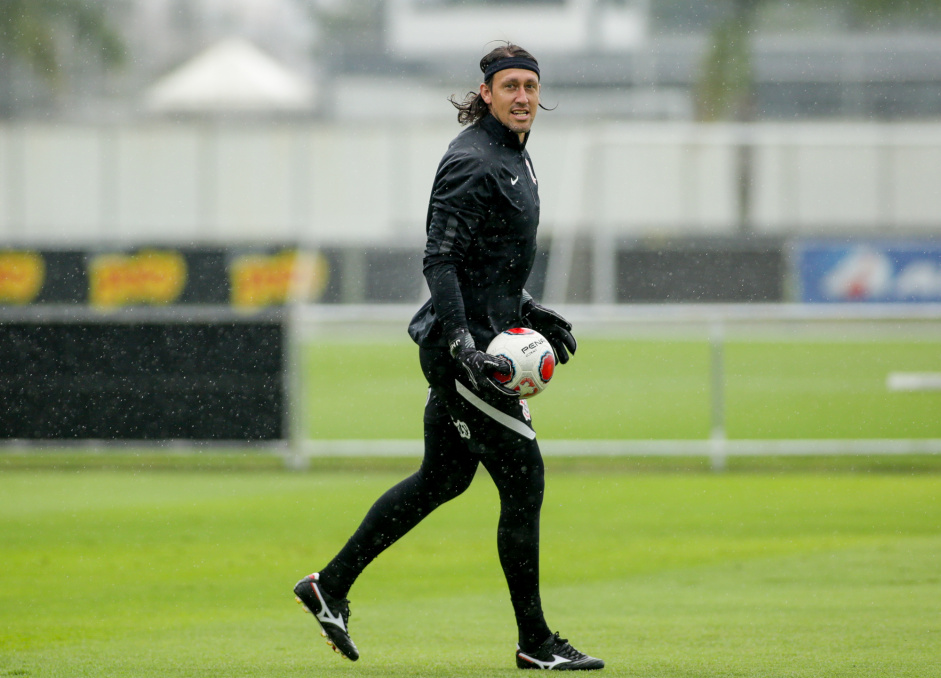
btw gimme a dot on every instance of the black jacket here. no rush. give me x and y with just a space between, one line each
481 227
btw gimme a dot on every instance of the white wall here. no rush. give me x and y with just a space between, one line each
870 178
362 183
414 28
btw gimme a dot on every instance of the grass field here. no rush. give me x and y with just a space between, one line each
132 573
160 563
635 389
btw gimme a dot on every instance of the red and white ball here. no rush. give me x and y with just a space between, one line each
531 358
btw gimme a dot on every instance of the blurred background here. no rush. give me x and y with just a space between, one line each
695 151
246 153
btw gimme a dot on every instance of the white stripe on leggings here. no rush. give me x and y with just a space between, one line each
513 424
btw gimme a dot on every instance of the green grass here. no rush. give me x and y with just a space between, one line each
132 573
620 389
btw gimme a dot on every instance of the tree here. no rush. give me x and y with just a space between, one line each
725 88
33 32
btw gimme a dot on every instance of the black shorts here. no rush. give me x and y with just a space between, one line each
487 423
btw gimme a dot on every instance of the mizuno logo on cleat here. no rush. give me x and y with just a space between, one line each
332 620
324 615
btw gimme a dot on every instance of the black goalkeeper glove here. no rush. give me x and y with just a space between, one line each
552 326
479 366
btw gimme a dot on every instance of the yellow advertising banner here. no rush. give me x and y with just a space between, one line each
259 280
21 276
154 277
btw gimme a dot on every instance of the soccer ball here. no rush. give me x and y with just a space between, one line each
531 357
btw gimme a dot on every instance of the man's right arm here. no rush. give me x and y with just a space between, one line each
456 212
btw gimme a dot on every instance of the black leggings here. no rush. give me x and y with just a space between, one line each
447 469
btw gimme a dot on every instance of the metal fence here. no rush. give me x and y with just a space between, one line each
715 323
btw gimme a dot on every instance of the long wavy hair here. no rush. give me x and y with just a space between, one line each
473 107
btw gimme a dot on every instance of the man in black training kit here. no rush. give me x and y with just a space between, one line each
481 227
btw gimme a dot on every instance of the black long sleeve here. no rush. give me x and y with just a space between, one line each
481 236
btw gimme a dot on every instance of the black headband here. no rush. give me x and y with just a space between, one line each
511 62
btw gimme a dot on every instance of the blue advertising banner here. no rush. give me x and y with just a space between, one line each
878 271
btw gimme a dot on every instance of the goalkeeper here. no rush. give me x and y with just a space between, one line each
481 243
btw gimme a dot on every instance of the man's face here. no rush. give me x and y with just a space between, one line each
513 98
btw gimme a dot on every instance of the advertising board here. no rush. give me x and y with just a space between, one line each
877 271
113 278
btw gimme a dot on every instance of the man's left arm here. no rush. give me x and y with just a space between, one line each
556 329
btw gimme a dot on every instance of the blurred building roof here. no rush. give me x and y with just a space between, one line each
231 76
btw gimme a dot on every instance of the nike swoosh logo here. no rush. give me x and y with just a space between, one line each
556 660
513 181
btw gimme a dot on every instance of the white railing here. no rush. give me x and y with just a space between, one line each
714 323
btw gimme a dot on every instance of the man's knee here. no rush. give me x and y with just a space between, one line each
448 467
519 474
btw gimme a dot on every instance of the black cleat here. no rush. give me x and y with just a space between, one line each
332 615
557 655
